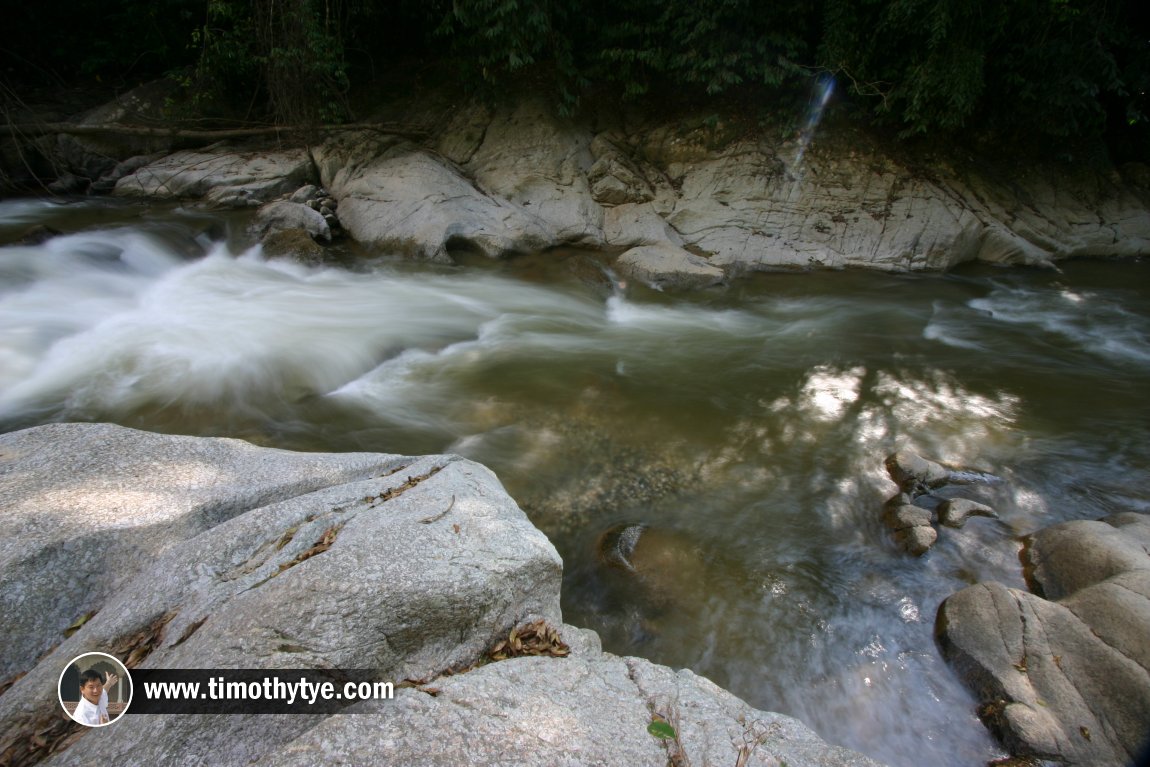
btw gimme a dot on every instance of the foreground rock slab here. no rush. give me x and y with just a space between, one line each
586 710
1069 679
182 552
87 507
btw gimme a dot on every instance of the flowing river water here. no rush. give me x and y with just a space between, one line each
745 427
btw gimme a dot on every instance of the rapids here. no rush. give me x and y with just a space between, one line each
750 422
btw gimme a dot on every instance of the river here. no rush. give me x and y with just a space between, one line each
747 425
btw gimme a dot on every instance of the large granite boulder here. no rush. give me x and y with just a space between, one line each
211 553
410 567
221 176
1063 674
86 507
540 163
398 197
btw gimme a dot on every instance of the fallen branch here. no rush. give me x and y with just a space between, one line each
74 129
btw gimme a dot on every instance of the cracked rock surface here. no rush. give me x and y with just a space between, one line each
516 179
184 552
1063 673
589 709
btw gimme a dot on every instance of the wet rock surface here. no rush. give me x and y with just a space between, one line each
912 514
1063 674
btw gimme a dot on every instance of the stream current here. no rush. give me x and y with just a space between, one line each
747 426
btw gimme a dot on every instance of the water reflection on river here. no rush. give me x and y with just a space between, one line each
747 424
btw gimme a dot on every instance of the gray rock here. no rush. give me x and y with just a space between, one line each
97 156
955 511
400 198
1065 680
916 540
614 178
667 266
411 567
68 183
913 473
518 179
464 132
220 176
293 243
630 225
910 525
903 515
1073 555
304 194
283 215
576 711
86 507
538 163
107 182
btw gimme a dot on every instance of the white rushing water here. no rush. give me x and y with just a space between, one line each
751 423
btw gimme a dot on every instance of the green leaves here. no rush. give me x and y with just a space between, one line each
662 729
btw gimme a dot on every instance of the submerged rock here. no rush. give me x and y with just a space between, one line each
955 511
1065 677
913 526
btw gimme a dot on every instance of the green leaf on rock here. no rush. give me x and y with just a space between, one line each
661 729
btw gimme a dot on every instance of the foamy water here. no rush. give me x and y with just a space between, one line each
752 423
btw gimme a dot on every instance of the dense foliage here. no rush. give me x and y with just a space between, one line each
1073 68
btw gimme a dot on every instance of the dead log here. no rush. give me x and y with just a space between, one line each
74 129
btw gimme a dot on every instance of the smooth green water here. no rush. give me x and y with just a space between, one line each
746 426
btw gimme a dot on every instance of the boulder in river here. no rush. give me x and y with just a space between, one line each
911 526
954 512
918 477
915 474
1064 676
667 266
401 198
283 215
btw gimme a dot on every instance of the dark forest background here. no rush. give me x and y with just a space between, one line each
1022 71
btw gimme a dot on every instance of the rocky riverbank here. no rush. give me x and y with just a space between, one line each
688 201
182 552
1061 672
